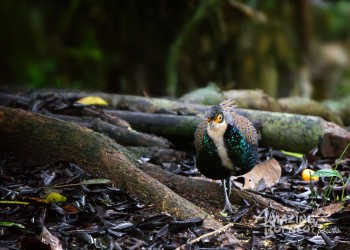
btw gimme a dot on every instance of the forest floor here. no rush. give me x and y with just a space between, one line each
61 205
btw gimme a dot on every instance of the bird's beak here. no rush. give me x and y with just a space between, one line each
211 122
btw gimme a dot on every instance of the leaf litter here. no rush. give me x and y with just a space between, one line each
94 215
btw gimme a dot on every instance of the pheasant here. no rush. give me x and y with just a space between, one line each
226 145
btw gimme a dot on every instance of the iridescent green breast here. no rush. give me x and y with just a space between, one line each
208 160
243 155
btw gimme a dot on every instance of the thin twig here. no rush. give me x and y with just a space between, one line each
64 185
215 232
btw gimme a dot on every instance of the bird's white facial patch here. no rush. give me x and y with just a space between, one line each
216 133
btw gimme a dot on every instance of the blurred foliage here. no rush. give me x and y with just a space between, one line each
171 47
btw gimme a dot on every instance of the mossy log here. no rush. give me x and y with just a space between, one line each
258 100
246 99
253 99
297 133
340 107
306 106
209 95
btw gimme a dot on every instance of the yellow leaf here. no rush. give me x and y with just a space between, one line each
324 225
92 100
55 197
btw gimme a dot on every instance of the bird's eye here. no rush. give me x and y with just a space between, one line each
219 118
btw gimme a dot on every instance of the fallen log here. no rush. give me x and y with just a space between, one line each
253 99
297 133
209 95
245 99
307 106
340 107
258 100
131 102
123 136
97 120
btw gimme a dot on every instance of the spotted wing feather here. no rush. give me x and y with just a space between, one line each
199 136
242 123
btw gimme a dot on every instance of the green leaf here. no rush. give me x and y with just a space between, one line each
347 197
15 202
85 182
296 155
11 224
327 173
96 182
223 214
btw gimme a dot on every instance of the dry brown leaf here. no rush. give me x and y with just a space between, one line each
325 212
269 171
52 240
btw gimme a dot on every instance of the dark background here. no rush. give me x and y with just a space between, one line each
159 48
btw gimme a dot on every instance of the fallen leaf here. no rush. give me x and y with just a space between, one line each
71 209
11 224
55 197
269 171
92 100
15 202
327 210
296 155
50 239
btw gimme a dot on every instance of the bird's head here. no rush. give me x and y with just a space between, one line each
216 119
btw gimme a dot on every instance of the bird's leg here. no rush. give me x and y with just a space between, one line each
229 186
228 206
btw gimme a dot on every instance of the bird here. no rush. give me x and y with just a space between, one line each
226 145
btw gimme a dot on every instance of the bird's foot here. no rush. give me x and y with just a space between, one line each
228 208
